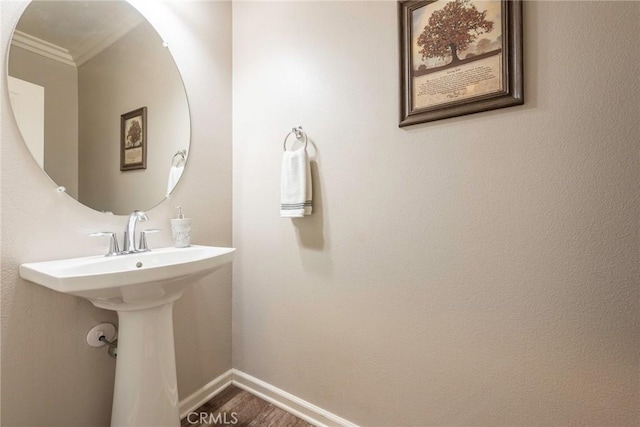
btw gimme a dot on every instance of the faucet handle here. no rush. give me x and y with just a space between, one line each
143 239
114 249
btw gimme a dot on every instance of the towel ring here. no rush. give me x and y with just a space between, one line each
181 155
299 133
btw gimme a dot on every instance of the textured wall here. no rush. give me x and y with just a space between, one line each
50 377
480 270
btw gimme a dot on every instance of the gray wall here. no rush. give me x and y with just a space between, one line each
60 83
134 72
481 270
50 377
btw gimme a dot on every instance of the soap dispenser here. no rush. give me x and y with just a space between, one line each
181 230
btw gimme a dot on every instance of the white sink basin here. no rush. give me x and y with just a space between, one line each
108 282
142 289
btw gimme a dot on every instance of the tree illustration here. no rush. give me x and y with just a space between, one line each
134 134
452 29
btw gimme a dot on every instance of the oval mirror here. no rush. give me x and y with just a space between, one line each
99 102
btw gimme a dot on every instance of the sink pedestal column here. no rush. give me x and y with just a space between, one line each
146 390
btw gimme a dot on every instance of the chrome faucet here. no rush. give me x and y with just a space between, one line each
129 244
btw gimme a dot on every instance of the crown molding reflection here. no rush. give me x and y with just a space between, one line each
89 48
42 48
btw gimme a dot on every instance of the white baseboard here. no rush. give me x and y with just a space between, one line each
205 393
274 395
287 401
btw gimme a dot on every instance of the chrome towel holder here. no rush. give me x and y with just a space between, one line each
300 136
181 155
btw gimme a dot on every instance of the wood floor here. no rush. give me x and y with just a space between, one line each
236 407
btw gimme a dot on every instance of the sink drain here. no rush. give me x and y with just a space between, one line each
138 264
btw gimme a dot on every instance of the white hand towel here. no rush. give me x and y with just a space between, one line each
295 184
174 176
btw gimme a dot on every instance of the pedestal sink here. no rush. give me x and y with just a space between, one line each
142 288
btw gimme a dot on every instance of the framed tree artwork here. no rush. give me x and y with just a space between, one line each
459 57
133 140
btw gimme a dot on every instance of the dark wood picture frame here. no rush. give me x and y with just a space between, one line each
133 140
435 83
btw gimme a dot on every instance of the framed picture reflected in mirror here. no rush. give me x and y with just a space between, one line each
133 140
